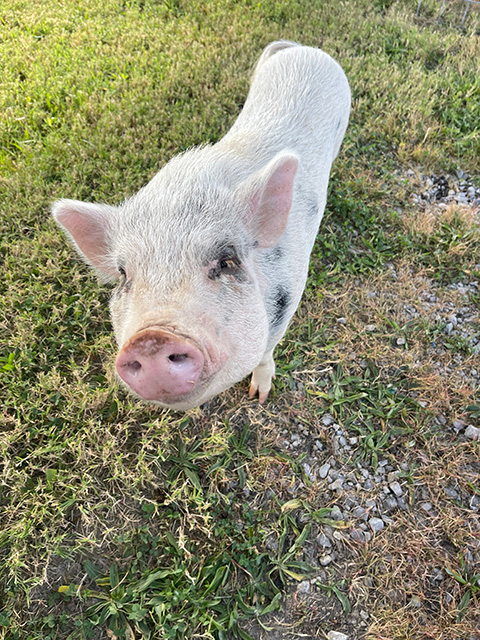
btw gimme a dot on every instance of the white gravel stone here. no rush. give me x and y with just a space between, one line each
308 471
358 535
360 512
323 540
336 513
390 503
336 635
396 489
324 469
393 476
472 433
326 560
376 524
337 484
304 587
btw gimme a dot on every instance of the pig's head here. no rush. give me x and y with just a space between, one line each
188 307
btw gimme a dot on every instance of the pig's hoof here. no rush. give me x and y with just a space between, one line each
262 395
262 380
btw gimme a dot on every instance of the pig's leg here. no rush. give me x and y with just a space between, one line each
262 377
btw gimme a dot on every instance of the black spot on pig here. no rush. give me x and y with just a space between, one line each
276 254
279 304
312 207
310 201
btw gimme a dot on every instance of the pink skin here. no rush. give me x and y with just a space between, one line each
160 366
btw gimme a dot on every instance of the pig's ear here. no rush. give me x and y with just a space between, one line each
268 195
88 226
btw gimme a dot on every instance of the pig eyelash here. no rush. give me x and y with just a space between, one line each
122 272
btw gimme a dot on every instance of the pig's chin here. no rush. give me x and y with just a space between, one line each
185 401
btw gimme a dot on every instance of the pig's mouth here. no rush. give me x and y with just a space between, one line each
161 365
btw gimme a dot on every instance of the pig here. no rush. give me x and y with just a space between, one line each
210 258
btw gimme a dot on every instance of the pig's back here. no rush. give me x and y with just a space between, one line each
299 100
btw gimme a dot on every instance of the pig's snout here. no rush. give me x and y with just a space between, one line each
158 365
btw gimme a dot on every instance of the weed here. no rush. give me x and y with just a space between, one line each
376 411
336 590
471 586
193 593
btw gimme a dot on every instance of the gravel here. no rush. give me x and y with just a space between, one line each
324 470
473 433
336 635
325 560
323 541
364 498
376 524
445 190
396 488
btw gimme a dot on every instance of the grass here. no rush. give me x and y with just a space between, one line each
121 520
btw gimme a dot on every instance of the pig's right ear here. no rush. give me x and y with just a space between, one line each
88 226
267 197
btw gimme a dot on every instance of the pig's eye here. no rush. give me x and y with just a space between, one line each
227 264
123 285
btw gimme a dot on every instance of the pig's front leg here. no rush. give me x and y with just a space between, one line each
262 377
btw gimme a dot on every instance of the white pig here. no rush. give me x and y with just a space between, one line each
211 256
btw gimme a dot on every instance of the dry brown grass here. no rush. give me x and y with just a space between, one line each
409 600
425 222
377 317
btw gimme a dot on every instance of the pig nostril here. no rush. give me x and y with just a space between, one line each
178 357
134 366
158 366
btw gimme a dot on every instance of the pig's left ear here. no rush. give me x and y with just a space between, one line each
267 195
89 228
